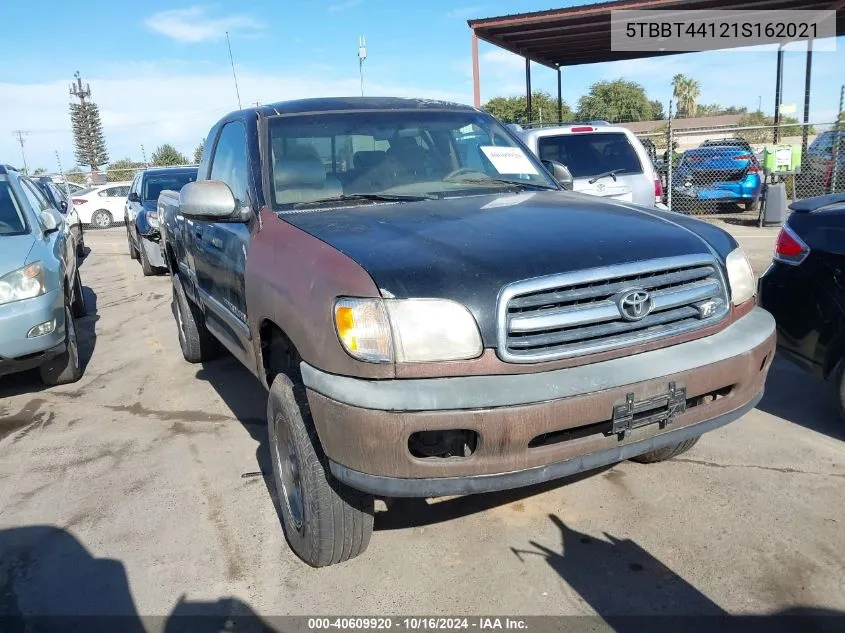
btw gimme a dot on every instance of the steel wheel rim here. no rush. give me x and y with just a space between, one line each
287 467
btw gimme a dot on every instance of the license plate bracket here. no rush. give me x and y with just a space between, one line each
660 409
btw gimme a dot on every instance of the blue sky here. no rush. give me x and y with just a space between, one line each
160 70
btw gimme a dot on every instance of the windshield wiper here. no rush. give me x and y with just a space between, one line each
612 173
374 197
504 181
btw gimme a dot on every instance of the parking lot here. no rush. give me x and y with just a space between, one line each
139 489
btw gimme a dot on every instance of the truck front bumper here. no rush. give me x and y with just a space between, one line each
536 427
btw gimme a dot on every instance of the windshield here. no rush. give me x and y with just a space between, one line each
11 218
588 155
389 153
154 184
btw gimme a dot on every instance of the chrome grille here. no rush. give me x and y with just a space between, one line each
577 313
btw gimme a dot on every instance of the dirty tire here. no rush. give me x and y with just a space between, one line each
148 269
77 306
197 343
133 253
101 219
753 206
667 452
333 522
66 367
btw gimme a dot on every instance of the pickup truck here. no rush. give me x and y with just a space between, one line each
426 328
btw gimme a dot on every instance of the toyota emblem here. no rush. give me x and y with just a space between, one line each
634 304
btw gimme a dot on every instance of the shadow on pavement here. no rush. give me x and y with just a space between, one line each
49 581
799 397
86 332
633 591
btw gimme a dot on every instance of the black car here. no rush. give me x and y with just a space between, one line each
804 289
60 201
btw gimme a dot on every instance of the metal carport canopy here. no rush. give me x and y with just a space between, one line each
582 35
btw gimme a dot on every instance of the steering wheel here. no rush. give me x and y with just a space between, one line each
465 171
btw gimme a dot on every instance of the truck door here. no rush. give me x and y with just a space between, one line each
219 249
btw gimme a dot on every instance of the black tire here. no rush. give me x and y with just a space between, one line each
331 523
133 252
66 367
77 305
667 452
753 206
101 219
148 269
197 343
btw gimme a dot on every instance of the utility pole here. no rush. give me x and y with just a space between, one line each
20 134
232 60
837 140
362 55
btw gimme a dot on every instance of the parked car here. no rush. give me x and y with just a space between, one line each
40 287
803 289
59 201
817 169
604 160
99 205
715 175
429 327
65 186
141 213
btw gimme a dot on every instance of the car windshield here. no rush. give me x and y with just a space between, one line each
154 184
12 221
367 155
588 155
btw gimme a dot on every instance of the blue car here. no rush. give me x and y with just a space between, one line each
40 288
723 172
141 214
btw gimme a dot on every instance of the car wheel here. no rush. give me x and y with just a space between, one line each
325 521
77 305
133 252
667 452
64 368
197 343
753 206
101 219
146 267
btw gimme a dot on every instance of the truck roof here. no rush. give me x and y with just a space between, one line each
333 104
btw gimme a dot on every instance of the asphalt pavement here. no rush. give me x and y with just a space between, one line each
139 490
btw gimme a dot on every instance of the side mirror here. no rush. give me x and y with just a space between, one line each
207 199
560 173
51 221
134 197
63 206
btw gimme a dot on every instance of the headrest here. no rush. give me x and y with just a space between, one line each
302 171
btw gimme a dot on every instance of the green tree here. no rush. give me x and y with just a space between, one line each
615 101
686 91
122 170
657 111
77 175
515 109
88 139
715 109
789 126
198 151
39 171
166 155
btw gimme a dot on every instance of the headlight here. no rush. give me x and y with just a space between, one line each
407 330
740 277
152 218
24 283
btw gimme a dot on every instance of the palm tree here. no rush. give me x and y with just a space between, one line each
686 91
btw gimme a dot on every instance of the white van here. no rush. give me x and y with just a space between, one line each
604 160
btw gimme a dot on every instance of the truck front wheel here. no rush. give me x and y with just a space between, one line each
667 452
325 521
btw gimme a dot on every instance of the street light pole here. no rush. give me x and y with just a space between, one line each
362 55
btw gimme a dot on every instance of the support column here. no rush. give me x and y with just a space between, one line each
778 93
528 88
808 73
476 86
559 98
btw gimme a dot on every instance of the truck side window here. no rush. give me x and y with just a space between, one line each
229 163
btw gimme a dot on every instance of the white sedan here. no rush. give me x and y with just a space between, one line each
99 205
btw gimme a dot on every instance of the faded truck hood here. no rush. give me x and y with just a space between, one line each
13 251
466 249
